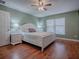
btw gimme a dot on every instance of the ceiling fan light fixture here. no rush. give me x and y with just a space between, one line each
41 5
41 9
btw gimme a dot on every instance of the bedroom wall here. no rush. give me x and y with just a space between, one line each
19 17
78 24
71 23
72 19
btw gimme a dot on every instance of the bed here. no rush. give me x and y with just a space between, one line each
41 39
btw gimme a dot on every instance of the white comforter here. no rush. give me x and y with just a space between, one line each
41 34
41 39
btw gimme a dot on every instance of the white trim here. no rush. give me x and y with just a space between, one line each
68 39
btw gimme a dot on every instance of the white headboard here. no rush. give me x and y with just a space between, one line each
25 27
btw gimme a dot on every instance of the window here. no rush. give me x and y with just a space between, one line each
56 25
50 26
40 26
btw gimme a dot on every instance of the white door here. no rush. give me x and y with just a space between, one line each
4 28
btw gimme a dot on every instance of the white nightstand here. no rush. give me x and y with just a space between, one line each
16 38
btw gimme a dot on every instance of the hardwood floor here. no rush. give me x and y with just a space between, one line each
60 49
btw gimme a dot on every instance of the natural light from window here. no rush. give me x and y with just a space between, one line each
56 25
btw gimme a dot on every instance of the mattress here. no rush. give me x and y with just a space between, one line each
40 34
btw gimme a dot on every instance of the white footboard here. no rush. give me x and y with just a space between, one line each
40 41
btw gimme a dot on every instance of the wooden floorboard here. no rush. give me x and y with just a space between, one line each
60 49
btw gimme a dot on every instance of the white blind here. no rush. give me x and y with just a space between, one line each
50 26
56 25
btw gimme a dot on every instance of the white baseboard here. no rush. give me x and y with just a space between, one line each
68 39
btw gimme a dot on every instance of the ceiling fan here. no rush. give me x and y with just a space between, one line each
41 5
2 2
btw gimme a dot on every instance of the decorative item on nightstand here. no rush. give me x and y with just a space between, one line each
16 38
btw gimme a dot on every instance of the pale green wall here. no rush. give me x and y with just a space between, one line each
71 23
78 24
21 17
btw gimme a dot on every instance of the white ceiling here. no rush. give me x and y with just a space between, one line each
60 6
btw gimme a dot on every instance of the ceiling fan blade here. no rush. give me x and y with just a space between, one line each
39 0
48 5
33 5
45 9
1 1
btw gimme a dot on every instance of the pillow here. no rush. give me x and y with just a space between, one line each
31 30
